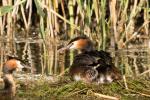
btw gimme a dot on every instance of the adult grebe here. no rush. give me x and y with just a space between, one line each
9 84
91 65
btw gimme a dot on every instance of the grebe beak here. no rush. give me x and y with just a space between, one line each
68 47
21 66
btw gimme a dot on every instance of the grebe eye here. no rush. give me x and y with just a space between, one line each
70 45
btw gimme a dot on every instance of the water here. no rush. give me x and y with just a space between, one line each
135 62
43 56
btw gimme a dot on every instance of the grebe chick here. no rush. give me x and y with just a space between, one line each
82 70
9 83
107 73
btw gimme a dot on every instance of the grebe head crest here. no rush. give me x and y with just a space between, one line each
82 43
13 64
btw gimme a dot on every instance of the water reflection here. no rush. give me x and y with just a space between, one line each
135 61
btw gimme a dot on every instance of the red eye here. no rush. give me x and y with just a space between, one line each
70 45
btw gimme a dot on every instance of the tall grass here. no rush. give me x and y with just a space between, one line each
111 23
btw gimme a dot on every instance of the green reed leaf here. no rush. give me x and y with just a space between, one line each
39 9
5 9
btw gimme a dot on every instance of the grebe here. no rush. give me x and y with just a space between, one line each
9 83
91 65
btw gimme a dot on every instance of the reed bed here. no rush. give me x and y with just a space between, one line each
109 23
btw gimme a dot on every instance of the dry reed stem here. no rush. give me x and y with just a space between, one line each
145 72
61 74
49 23
77 17
56 61
96 9
146 18
1 26
131 20
76 92
113 17
29 6
15 8
24 18
1 57
89 92
55 17
58 15
135 66
73 25
125 82
44 59
143 94
3 19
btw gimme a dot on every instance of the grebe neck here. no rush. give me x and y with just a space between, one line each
9 84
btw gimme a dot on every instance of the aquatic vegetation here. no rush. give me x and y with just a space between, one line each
138 88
